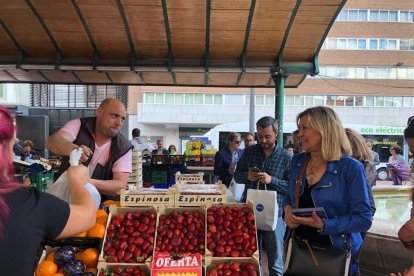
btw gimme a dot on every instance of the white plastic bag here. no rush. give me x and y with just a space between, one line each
266 207
60 189
236 189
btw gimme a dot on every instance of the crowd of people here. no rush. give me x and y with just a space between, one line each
329 166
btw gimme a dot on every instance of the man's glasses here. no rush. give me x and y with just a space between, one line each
237 142
392 149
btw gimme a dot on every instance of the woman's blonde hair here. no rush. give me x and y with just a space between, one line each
334 140
360 149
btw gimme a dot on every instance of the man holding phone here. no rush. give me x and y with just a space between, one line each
268 164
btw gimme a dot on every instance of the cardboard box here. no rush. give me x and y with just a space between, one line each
165 264
194 178
108 268
212 263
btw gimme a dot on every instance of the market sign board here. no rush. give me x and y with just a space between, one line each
165 264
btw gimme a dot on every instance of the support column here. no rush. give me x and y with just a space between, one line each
279 103
252 111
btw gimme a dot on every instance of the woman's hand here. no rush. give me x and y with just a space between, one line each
289 218
264 178
78 173
313 221
405 273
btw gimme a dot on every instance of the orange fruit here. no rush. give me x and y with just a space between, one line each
46 268
101 216
90 257
51 255
58 274
97 231
82 235
110 202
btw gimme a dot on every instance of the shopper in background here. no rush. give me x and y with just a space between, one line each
225 160
28 152
267 164
375 156
160 150
333 180
248 140
106 152
137 142
397 166
172 150
28 217
297 143
362 152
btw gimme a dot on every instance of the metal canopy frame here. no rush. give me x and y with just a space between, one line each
243 43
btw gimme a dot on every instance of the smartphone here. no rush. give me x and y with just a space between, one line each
255 169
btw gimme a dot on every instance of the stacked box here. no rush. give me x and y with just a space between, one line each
159 177
208 160
135 178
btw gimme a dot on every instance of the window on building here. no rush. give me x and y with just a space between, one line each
290 100
319 100
410 73
412 44
391 73
299 100
149 98
198 98
353 15
259 99
411 17
247 99
404 16
407 101
383 44
369 101
169 98
233 99
373 44
352 44
159 98
1 91
398 101
208 99
379 101
404 44
269 100
189 98
343 15
388 101
309 100
383 16
218 99
360 73
349 101
332 43
392 44
363 15
393 16
402 73
362 44
342 43
179 98
374 15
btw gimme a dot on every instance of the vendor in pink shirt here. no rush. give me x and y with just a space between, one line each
106 152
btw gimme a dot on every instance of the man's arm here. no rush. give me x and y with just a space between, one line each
61 143
376 160
111 187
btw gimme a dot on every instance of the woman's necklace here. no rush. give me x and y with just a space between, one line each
310 176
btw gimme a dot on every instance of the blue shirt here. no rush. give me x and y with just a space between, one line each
222 162
277 165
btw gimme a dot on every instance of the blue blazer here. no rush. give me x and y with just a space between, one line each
342 191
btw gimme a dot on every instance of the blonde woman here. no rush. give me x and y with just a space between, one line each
332 180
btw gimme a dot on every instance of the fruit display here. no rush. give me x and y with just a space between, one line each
181 230
130 235
233 268
231 231
69 261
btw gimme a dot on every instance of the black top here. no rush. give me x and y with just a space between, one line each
307 232
34 216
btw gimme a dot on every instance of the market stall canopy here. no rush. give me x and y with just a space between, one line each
236 43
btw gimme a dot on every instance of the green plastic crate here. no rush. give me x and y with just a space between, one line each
41 179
